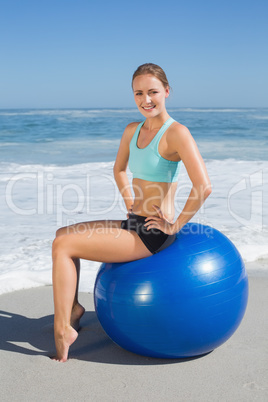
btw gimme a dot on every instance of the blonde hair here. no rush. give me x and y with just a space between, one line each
153 69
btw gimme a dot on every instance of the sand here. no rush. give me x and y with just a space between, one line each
99 370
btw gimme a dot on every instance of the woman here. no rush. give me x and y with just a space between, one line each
154 150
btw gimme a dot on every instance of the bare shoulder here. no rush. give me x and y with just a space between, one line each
131 127
178 133
130 130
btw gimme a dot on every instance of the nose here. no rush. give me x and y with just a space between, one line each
147 99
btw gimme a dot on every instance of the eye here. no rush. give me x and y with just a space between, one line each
138 93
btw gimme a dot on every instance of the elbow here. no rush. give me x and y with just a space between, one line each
202 191
207 191
117 170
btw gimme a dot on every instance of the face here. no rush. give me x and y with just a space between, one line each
149 95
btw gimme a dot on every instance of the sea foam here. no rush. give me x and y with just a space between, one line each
37 199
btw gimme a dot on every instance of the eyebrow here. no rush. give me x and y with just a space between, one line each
152 89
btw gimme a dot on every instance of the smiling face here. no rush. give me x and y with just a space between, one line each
149 95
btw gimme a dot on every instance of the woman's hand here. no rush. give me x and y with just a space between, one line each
159 222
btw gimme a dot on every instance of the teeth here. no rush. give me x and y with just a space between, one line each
148 108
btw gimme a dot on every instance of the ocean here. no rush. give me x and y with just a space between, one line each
57 169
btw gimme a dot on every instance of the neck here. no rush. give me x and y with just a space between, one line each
153 123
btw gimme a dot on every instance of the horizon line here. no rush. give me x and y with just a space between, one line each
130 107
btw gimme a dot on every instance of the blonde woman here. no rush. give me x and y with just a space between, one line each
154 150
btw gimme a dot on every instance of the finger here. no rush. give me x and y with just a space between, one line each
151 219
153 226
154 223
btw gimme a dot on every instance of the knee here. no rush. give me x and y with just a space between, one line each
58 246
65 230
61 231
57 243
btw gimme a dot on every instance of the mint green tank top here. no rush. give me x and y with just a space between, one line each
147 163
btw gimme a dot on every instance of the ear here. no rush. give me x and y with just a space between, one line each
167 92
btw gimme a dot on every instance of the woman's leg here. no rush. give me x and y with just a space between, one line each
98 241
77 309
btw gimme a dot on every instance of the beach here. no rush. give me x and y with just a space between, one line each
99 370
77 80
57 169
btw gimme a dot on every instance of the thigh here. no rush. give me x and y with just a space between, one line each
103 241
84 227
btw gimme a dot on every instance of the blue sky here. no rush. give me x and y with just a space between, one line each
82 53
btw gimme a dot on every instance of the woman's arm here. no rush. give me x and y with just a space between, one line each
120 166
181 140
197 172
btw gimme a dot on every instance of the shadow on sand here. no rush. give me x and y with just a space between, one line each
34 336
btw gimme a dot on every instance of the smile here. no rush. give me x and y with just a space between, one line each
149 107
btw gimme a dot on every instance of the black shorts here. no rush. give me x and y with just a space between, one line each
154 239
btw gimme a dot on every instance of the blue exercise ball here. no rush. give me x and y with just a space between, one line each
184 301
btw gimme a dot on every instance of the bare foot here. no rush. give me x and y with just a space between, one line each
63 342
77 313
